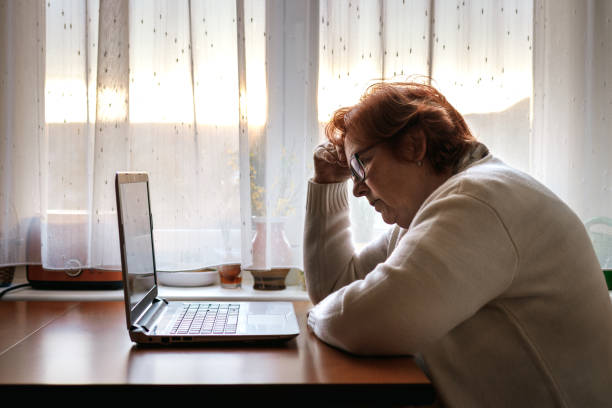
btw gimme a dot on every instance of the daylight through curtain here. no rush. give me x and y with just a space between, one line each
91 87
154 86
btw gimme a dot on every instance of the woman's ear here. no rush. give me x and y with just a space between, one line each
414 146
420 146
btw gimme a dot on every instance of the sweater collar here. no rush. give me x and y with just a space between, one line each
477 152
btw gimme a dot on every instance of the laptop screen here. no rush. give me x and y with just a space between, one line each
138 255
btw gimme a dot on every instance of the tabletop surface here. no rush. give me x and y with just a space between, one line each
63 344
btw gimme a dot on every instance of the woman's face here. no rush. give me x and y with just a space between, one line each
395 187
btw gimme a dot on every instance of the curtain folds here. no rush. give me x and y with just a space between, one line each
223 102
478 53
22 101
154 86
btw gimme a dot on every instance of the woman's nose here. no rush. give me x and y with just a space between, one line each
360 189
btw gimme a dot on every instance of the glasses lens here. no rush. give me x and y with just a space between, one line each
357 170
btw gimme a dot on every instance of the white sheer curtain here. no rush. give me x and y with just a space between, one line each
478 53
154 86
532 78
21 128
159 98
483 55
572 111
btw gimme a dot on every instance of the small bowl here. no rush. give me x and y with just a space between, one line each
191 277
269 279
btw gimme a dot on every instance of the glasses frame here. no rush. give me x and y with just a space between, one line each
357 169
358 173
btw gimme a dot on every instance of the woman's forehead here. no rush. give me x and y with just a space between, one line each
358 137
351 145
355 143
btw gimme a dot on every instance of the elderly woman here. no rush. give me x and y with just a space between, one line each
487 277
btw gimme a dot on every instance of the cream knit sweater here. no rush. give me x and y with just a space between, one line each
495 284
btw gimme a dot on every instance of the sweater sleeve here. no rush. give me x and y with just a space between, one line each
455 258
330 260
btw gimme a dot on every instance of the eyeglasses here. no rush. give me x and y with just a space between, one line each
357 167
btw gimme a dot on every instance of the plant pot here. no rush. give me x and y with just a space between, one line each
269 279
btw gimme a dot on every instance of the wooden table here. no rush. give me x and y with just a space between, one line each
84 346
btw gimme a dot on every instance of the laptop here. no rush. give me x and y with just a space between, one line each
154 320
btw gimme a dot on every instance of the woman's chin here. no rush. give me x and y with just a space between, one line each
387 218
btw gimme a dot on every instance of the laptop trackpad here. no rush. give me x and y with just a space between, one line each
266 320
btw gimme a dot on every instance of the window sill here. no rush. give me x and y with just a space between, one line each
212 292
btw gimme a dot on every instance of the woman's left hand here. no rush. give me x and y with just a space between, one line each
330 164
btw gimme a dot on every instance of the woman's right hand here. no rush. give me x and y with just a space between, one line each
330 164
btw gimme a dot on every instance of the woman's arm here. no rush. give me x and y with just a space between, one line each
456 257
330 261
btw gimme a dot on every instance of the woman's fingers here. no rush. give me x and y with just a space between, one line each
330 153
329 157
328 164
341 156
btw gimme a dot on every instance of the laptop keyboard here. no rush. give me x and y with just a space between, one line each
206 318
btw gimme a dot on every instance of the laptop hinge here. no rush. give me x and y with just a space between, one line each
149 317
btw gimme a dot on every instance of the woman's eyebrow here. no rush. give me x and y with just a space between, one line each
366 152
364 156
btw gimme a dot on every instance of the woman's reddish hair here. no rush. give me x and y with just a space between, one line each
399 112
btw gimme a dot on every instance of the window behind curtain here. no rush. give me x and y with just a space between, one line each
183 108
175 114
538 100
478 53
